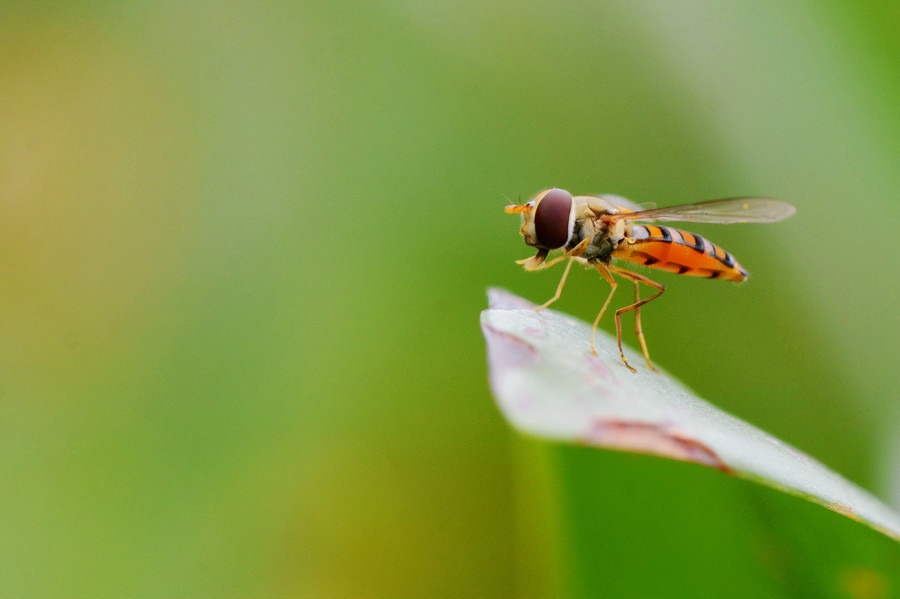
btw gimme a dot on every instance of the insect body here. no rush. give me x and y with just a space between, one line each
678 251
593 230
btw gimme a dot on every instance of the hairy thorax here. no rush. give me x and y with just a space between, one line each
605 238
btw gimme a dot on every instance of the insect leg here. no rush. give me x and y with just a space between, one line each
613 285
635 306
559 288
637 319
575 251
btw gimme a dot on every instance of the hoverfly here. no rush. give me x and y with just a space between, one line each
593 230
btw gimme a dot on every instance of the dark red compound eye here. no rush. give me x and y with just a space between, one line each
551 219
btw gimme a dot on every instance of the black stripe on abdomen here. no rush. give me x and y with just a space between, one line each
666 233
698 241
728 260
705 246
647 258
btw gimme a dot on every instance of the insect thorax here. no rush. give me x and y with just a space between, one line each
603 240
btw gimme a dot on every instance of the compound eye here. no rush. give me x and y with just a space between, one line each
552 217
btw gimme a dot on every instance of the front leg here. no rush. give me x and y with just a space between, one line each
558 288
536 262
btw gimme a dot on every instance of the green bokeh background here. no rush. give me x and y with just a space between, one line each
243 249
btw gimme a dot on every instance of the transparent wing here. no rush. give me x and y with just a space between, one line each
727 211
625 202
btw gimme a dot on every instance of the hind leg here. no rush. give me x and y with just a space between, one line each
636 278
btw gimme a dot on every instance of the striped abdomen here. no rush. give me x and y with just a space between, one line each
678 251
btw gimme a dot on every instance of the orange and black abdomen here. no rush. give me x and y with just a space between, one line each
678 251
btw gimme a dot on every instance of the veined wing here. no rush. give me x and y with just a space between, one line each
619 201
727 211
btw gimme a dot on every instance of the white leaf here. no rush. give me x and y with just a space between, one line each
549 384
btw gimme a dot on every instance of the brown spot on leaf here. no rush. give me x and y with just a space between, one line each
644 437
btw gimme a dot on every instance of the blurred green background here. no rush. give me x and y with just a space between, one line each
243 249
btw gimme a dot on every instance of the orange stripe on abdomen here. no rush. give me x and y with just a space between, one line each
680 252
